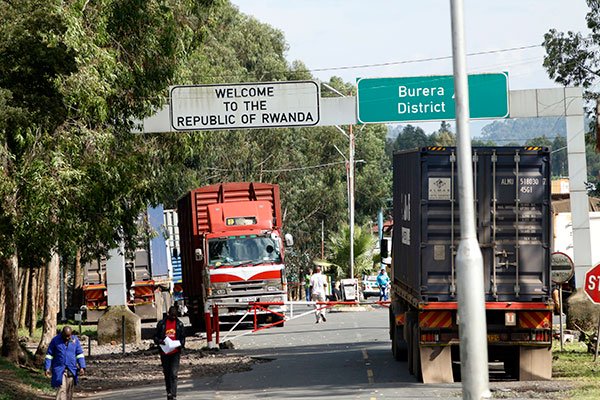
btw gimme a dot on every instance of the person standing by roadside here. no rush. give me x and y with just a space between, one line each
383 281
318 283
65 362
170 327
307 283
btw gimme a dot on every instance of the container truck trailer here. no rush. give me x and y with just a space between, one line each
174 255
148 270
232 251
514 228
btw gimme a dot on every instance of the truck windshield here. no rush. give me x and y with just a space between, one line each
240 250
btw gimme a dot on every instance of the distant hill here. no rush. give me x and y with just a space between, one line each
393 131
522 129
507 131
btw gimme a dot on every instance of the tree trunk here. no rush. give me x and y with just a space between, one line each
1 304
51 292
24 297
77 296
40 289
31 320
10 335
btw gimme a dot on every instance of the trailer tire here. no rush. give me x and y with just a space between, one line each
416 357
410 344
399 345
198 324
280 325
511 363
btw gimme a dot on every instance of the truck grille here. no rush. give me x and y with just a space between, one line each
242 287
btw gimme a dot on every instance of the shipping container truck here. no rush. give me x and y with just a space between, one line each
514 229
232 252
174 252
148 274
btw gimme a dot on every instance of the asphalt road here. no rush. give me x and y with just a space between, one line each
347 357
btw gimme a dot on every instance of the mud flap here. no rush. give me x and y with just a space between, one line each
436 364
535 364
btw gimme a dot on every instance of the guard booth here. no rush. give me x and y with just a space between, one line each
349 289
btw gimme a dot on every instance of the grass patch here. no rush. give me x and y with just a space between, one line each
577 365
88 330
22 384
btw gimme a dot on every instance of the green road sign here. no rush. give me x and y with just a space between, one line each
429 98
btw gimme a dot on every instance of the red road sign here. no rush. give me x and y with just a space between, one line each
592 284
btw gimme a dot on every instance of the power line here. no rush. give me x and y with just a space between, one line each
384 64
281 169
420 60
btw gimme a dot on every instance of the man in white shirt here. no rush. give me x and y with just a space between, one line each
318 283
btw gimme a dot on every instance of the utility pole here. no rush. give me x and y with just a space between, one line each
322 239
351 200
469 261
350 177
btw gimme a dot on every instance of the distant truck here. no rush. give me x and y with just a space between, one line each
514 229
174 254
232 250
148 272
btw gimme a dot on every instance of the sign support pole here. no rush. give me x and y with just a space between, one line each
597 339
560 317
351 200
469 260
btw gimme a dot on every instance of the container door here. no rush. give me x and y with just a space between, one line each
514 223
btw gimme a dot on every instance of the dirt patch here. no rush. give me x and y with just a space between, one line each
555 389
113 371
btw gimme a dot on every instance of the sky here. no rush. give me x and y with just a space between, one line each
329 34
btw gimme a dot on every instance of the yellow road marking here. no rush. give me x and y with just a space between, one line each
369 370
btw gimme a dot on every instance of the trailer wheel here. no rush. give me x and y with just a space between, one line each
511 362
408 334
416 358
399 345
392 322
280 325
198 324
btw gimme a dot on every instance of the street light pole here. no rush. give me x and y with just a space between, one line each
469 261
350 190
351 200
350 177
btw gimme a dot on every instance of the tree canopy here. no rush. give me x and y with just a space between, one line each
75 174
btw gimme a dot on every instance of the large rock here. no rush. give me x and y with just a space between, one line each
110 326
582 313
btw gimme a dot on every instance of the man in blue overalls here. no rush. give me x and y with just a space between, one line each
65 361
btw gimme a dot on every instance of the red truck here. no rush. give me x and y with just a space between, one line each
232 251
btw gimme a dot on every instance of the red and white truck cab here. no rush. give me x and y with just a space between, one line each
232 248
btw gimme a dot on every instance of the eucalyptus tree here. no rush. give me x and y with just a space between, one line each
73 76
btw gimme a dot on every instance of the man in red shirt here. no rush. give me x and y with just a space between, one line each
172 328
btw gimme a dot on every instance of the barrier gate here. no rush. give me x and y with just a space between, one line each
211 316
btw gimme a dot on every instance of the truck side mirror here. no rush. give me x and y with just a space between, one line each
383 248
289 239
199 255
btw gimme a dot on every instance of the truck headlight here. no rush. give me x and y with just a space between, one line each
220 291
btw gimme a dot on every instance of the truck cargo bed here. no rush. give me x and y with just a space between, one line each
513 217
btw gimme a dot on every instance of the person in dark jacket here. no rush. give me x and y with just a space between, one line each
172 328
65 362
